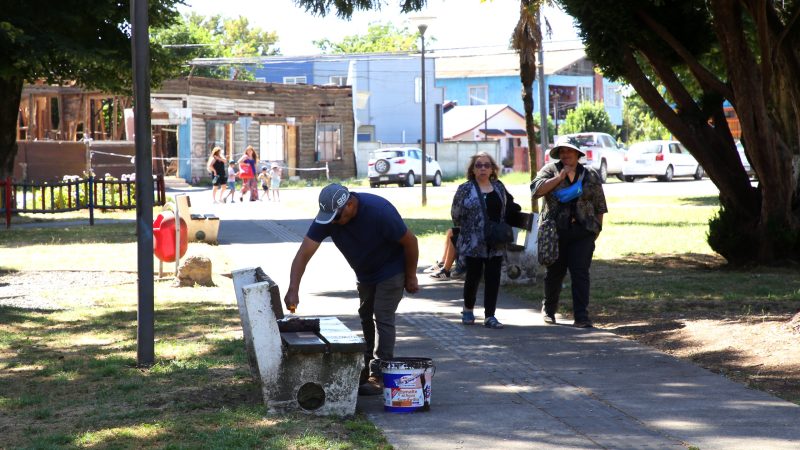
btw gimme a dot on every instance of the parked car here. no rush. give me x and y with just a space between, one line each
401 166
661 159
603 153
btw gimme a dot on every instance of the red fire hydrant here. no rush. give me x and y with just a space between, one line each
164 237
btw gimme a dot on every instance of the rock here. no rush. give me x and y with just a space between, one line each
194 269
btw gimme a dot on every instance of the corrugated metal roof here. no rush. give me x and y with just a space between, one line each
500 64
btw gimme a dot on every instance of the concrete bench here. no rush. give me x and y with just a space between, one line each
313 369
520 265
201 227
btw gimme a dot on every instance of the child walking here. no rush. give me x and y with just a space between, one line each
275 181
231 182
263 178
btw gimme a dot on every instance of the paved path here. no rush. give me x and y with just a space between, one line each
527 386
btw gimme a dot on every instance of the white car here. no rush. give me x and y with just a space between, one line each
661 159
745 163
603 153
401 166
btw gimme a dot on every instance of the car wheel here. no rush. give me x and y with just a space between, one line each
667 175
410 179
437 179
382 166
698 174
373 185
620 177
603 171
628 179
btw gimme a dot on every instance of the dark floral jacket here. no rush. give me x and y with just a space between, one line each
587 207
467 214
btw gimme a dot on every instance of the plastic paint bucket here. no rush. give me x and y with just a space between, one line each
407 384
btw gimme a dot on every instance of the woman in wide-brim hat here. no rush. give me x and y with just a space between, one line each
579 221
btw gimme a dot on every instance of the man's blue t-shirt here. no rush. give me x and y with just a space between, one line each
369 242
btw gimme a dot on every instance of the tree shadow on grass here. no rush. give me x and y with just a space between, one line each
706 200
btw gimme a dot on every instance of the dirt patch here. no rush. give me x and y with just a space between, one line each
750 340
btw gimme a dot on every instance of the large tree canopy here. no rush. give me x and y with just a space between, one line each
380 38
195 36
87 41
705 52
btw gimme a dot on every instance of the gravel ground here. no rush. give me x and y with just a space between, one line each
35 289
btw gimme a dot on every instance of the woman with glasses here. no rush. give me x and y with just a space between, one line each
481 197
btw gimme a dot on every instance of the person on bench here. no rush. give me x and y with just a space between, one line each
382 252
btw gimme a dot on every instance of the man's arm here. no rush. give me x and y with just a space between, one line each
411 251
307 249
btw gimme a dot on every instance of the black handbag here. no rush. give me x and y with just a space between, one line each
497 234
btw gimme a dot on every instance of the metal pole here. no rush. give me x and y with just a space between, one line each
422 29
140 46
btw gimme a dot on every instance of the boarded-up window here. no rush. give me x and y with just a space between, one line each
271 142
329 141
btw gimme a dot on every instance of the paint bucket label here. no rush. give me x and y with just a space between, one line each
407 384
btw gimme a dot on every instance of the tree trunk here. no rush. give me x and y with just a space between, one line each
10 95
768 126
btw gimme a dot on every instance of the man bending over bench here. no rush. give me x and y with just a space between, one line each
382 252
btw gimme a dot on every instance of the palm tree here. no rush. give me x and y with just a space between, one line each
526 40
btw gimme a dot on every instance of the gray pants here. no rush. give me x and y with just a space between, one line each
377 309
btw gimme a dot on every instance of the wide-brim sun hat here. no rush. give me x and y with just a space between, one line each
555 150
274 165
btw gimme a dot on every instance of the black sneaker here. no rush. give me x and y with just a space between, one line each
583 324
442 274
372 386
548 318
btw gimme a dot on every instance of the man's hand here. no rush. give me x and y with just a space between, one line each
412 285
291 300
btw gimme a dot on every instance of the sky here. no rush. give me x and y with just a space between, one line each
468 25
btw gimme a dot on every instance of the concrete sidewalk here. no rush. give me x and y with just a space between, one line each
529 385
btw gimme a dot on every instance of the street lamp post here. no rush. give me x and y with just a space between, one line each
422 27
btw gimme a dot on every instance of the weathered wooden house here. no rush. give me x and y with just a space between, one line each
305 128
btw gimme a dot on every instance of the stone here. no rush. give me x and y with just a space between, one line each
195 270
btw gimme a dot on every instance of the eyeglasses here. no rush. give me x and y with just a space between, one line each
479 165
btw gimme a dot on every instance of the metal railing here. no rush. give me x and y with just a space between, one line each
72 195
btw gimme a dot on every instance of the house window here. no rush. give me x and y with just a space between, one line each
611 97
366 133
219 134
338 80
329 141
295 80
585 94
261 79
271 142
478 95
417 90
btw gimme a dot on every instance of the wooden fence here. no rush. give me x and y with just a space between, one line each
72 195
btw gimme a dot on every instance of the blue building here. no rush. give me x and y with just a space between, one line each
569 79
386 90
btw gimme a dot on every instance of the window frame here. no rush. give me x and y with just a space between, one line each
472 96
295 79
322 155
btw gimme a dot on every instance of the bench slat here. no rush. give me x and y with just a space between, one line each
303 342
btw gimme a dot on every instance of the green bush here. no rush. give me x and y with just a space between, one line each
588 116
